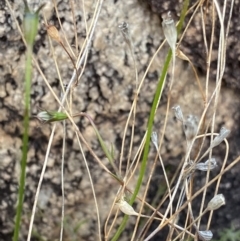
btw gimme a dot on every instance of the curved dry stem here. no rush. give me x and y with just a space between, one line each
200 191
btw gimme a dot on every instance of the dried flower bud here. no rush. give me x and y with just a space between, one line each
205 235
190 126
53 33
154 138
169 29
208 165
125 32
126 208
178 113
224 132
222 135
51 116
216 202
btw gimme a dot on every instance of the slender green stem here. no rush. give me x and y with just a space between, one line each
28 74
30 26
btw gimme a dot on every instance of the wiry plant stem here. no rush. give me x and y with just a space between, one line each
28 74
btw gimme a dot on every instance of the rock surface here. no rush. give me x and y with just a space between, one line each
105 92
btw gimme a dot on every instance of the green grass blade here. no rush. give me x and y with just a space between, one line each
30 24
28 74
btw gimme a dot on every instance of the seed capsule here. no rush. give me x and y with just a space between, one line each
222 135
126 208
170 31
53 33
216 202
205 235
190 126
205 166
178 113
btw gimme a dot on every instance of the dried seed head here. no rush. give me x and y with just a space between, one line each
208 165
125 32
178 113
211 163
124 28
53 33
224 132
154 138
126 208
222 135
205 235
216 202
190 126
169 30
